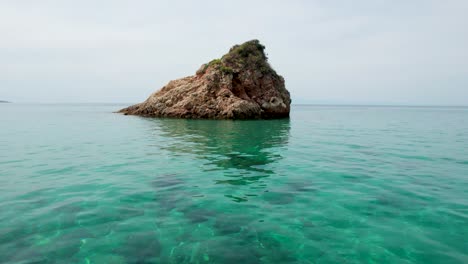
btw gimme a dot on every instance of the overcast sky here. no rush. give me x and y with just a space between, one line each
351 52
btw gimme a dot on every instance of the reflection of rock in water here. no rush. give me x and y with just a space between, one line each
241 145
242 150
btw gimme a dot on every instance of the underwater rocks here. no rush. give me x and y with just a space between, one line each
240 85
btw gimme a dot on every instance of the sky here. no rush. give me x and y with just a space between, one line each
329 52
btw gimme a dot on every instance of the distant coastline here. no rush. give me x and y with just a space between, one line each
4 101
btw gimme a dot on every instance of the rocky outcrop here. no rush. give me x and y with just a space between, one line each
240 85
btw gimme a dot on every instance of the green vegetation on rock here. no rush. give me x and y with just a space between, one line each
248 56
214 62
218 64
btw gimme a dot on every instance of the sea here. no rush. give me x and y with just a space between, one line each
80 183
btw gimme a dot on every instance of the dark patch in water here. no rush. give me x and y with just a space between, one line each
13 238
68 245
172 199
236 198
10 234
128 212
241 180
302 187
68 208
227 224
167 203
307 223
166 180
235 253
77 235
143 197
142 247
29 255
278 198
243 162
272 245
198 215
104 216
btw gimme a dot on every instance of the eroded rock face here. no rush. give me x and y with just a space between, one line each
240 85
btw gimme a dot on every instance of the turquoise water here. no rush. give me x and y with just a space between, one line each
80 184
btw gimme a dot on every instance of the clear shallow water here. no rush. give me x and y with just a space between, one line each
79 184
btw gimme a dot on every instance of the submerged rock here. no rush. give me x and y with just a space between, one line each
240 85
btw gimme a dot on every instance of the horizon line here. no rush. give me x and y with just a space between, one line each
293 104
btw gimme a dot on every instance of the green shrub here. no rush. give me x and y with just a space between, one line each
226 70
249 55
214 62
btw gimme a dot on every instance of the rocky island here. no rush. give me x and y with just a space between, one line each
4 102
240 85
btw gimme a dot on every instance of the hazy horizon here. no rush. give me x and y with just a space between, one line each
366 53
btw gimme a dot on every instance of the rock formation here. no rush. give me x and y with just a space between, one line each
240 85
